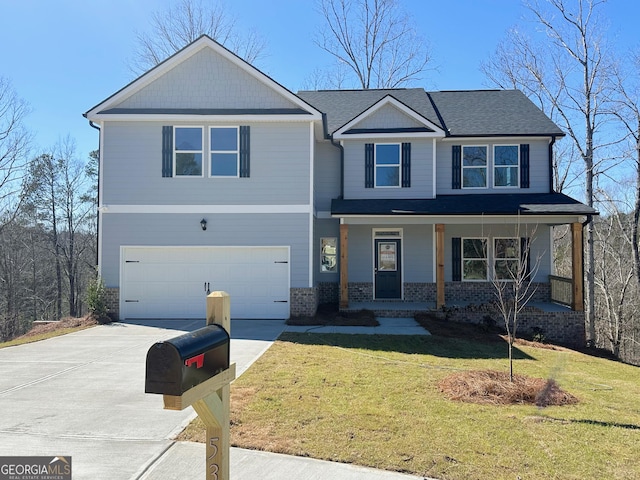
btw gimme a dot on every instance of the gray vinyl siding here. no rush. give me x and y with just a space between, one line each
325 228
223 230
326 175
540 244
417 252
206 80
132 168
386 117
421 171
538 166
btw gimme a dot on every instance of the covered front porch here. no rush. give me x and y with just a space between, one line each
411 255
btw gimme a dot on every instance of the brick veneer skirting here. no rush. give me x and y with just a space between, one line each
112 299
304 301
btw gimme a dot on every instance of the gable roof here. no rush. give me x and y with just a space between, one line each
343 106
111 106
466 113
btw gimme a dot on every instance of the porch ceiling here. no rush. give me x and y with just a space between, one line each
468 204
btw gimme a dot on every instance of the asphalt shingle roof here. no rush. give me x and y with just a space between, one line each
473 204
468 113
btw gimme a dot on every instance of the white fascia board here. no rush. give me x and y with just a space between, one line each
156 117
188 51
232 209
360 136
485 138
389 100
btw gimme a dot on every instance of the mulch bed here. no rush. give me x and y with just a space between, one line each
493 387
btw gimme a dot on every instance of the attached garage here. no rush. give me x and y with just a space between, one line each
172 282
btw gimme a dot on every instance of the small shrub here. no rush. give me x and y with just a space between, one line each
538 335
96 301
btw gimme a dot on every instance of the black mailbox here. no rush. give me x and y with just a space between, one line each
176 365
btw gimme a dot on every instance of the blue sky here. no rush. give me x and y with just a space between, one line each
66 56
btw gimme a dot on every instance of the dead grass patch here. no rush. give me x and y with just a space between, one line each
66 325
493 387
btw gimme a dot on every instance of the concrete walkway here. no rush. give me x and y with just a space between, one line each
82 395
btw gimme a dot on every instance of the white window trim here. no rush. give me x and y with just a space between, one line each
486 167
237 151
463 258
176 151
505 166
496 258
375 165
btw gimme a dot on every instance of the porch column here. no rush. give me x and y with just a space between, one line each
577 302
439 265
344 269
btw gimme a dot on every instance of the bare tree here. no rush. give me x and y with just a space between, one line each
513 284
614 278
568 75
177 26
375 39
14 144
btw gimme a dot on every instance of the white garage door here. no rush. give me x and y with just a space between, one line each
171 282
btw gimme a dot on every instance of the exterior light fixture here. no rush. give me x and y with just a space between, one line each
203 224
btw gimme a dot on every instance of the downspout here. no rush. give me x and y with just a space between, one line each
98 192
553 140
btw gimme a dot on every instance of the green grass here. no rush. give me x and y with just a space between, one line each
375 401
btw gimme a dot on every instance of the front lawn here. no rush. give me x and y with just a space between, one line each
376 401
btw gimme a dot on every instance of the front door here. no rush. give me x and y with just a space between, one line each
387 268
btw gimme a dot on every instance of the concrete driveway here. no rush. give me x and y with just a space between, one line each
82 395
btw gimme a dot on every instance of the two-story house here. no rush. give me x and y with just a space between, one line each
213 176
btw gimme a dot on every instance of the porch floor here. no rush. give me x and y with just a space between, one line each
402 309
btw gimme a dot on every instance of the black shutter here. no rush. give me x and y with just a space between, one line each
525 255
524 165
167 151
406 165
456 167
456 259
245 148
368 165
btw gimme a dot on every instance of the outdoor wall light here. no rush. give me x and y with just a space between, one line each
203 224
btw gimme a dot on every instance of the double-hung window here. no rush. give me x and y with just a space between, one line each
474 259
506 254
387 165
187 151
506 166
474 166
224 146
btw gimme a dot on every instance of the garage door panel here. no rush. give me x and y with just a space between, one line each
169 282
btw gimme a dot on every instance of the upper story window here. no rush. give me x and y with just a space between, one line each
188 151
506 166
506 258
474 259
387 165
474 166
225 152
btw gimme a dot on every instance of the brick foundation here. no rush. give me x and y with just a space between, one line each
112 299
304 301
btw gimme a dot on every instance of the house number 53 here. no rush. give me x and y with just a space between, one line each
212 467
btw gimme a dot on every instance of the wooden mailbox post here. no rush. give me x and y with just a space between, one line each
210 398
